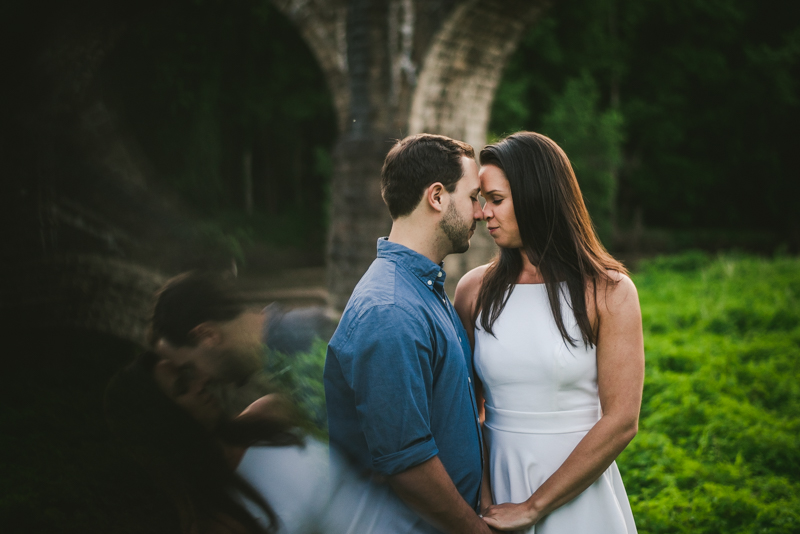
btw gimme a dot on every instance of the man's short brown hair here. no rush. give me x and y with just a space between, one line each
190 299
416 162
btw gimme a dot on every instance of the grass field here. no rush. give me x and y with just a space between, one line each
719 443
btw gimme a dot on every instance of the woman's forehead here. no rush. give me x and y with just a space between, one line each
492 179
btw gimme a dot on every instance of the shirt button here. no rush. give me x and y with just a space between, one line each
439 274
469 380
430 282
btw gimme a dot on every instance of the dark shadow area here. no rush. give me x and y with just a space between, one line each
61 471
229 111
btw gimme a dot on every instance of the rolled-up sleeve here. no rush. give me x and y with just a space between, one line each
387 362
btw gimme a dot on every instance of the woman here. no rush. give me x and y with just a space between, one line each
248 475
556 329
168 421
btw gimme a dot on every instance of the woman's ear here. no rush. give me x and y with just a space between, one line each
434 196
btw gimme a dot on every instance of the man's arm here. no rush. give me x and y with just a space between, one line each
429 491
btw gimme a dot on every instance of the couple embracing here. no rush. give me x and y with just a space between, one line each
506 410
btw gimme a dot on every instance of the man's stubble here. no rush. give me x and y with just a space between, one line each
456 230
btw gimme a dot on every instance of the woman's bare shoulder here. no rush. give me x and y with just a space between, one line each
471 281
468 287
617 293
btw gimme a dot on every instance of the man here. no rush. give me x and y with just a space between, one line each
200 321
398 372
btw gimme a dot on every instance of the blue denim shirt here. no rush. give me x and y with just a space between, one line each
398 374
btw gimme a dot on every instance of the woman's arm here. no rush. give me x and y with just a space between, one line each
620 378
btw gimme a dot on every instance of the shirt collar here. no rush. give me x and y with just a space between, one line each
429 273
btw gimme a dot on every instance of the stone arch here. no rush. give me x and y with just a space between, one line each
393 67
458 82
397 67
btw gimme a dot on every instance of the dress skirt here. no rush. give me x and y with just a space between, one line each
525 449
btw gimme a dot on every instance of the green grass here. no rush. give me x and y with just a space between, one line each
718 448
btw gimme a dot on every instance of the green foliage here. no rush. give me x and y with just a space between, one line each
593 141
717 449
300 376
709 95
205 87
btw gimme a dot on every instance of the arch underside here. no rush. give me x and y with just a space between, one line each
395 68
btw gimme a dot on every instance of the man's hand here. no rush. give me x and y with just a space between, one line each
428 490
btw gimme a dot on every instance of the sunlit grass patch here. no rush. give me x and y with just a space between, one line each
719 443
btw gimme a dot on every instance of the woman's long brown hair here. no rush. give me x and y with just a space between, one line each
556 231
182 457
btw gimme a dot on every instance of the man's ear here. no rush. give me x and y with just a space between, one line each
434 196
206 333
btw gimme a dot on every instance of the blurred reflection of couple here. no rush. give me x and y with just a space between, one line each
554 326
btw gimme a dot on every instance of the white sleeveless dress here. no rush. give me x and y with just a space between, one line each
541 399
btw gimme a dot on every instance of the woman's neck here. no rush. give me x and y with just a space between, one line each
529 274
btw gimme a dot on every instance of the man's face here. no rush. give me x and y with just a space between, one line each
226 351
464 210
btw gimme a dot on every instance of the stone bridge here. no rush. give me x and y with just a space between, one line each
88 234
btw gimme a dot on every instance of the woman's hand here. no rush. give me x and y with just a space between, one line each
510 516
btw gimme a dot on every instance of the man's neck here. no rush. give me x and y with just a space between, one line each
419 238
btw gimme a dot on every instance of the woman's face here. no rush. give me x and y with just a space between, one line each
186 387
499 209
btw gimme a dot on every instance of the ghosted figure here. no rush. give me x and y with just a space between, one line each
178 450
250 474
208 360
295 330
203 324
201 321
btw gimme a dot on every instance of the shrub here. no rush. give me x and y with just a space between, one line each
300 376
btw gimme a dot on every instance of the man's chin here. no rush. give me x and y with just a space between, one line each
462 248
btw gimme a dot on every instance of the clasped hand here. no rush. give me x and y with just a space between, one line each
510 516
